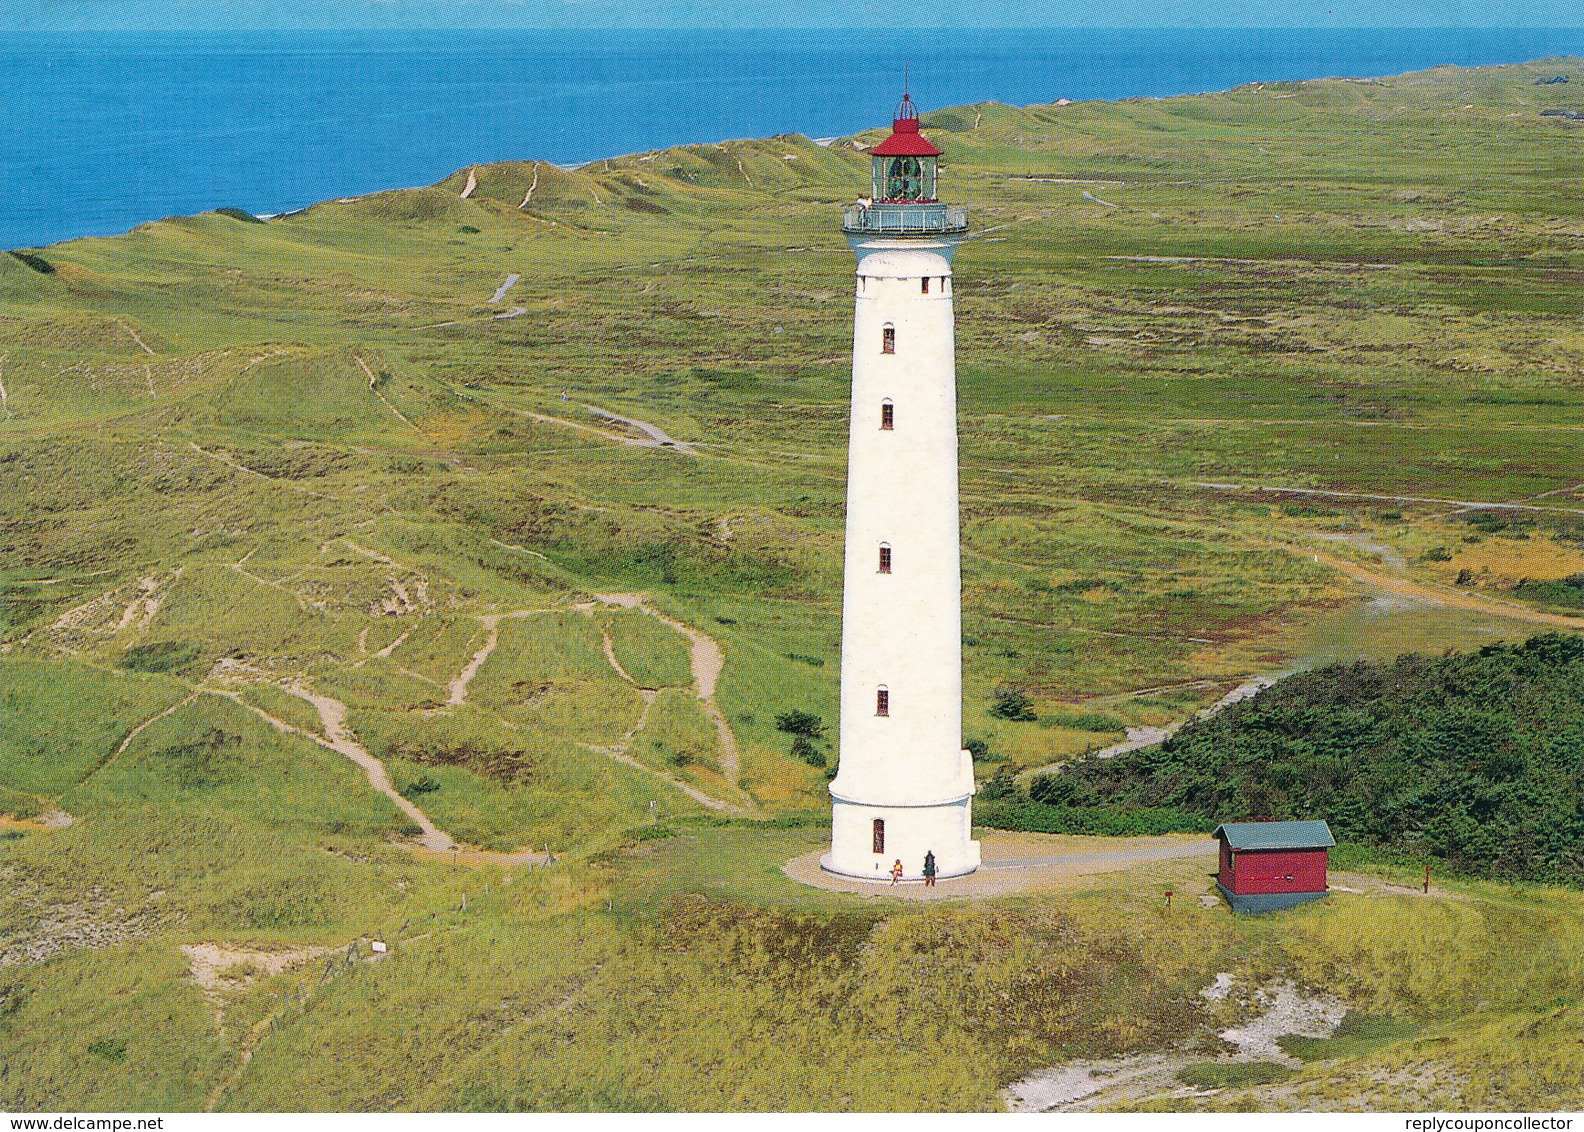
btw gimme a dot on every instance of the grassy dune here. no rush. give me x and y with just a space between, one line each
237 458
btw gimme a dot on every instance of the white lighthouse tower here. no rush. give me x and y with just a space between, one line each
904 782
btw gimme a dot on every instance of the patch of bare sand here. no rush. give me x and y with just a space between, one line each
1104 1083
54 819
221 966
1012 863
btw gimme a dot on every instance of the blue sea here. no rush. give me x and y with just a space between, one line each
101 131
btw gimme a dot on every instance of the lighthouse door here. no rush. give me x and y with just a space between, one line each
879 835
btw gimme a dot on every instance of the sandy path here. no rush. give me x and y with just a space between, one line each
135 338
500 292
1462 504
142 608
302 603
590 429
230 463
619 753
332 717
657 437
381 396
610 658
706 661
135 732
458 690
1140 737
519 549
52 819
1021 862
1456 599
394 645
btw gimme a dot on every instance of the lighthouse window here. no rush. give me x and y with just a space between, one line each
887 415
888 340
925 281
879 835
885 558
905 179
882 701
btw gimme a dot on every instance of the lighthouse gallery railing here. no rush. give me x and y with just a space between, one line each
904 219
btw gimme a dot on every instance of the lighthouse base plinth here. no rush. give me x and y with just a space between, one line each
867 841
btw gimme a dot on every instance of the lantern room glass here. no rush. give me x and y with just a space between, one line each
904 178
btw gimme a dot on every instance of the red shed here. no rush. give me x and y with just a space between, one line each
1266 865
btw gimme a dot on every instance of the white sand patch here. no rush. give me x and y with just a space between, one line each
1084 1084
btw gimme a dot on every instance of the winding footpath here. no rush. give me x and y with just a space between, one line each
705 662
332 717
457 693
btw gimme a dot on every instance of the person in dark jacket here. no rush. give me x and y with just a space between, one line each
929 869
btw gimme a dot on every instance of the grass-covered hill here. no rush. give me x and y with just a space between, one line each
1468 760
348 483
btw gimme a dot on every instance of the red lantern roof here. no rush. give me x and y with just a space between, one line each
905 139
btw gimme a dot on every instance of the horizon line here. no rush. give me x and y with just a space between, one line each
879 29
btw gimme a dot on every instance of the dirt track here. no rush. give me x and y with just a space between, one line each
1476 603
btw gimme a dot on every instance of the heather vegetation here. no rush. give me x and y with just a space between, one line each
273 493
1469 761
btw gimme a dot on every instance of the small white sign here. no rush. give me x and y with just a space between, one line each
379 947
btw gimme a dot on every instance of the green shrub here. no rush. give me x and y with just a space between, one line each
1033 817
807 751
1000 786
241 214
802 723
420 786
111 1049
1469 760
1013 704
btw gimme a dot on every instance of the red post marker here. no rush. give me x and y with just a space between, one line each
1168 897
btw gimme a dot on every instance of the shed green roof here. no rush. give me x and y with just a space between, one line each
1275 834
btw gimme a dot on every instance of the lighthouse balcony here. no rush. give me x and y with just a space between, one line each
913 218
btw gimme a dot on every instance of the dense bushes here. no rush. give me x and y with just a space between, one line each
804 727
1013 704
1126 821
1475 760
